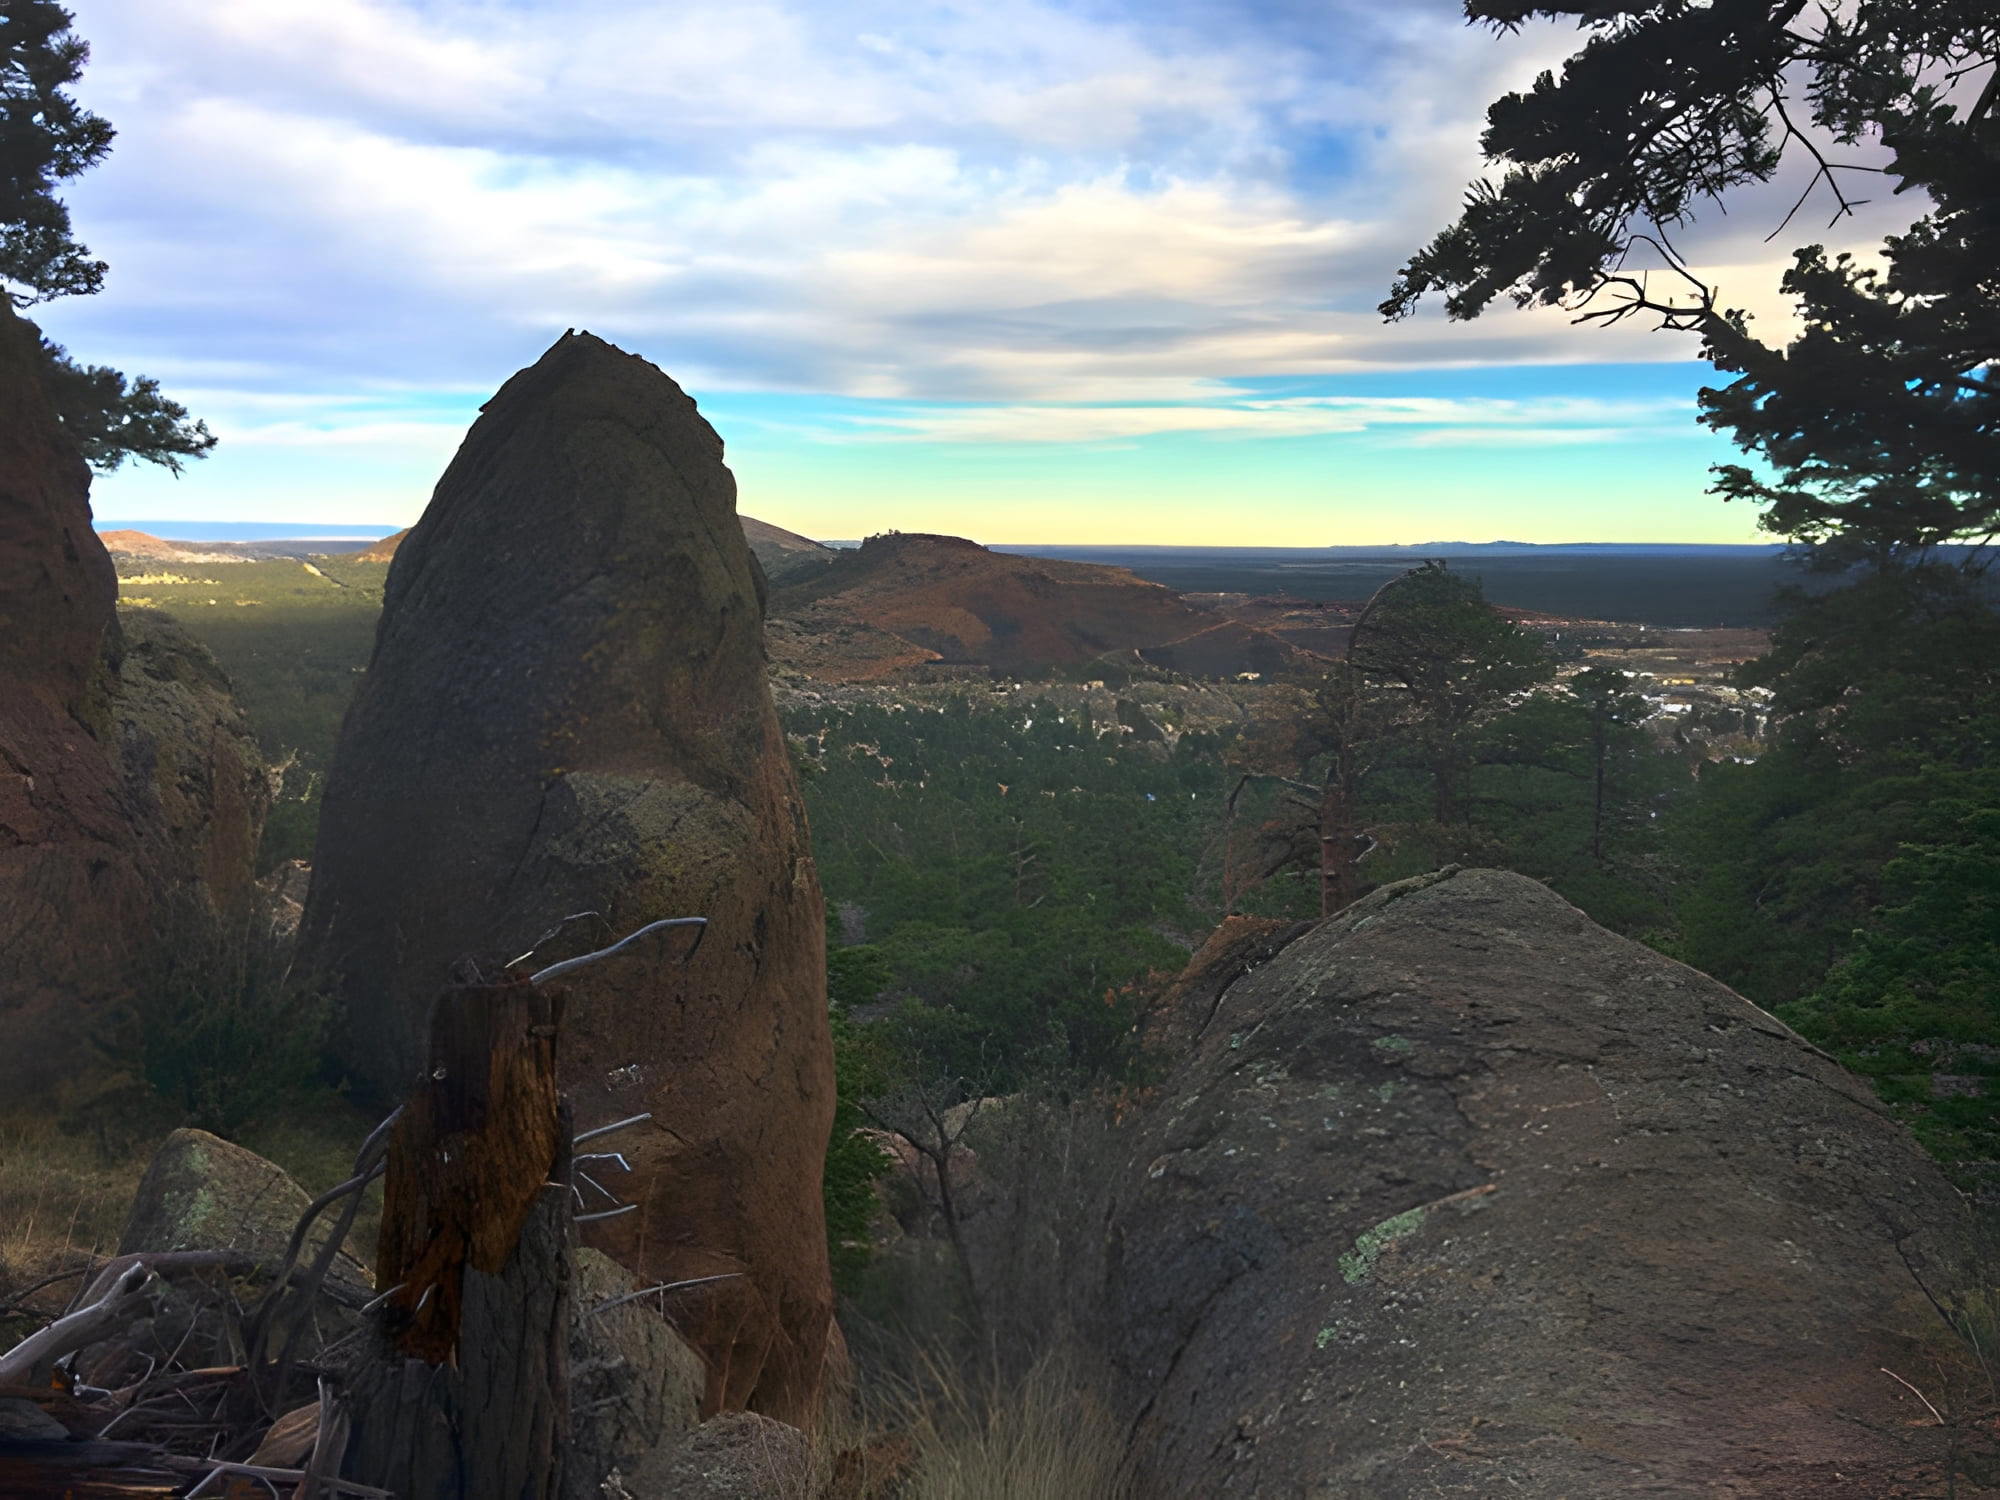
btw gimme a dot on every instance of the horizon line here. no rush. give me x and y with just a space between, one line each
273 531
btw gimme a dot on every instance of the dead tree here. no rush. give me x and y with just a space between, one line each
466 1393
931 1119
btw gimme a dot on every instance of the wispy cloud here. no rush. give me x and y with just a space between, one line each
1417 420
1033 201
1081 223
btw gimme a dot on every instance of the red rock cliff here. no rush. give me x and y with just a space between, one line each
125 770
566 711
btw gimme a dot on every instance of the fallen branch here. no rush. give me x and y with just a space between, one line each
1915 1392
215 1471
33 1361
167 1263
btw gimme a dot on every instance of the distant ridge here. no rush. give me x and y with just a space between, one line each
1414 550
906 601
1627 549
245 531
784 555
772 540
122 542
384 550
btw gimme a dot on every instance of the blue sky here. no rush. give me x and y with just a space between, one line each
1092 271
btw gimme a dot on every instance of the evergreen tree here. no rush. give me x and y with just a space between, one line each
1874 437
46 138
1610 705
1877 425
1432 634
1322 743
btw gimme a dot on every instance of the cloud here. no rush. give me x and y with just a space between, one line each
398 439
1011 206
1437 421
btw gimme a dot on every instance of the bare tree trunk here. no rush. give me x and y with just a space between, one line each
954 1228
1444 787
1230 890
466 1396
1599 753
1339 838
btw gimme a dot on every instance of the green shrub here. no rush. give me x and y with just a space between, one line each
226 1031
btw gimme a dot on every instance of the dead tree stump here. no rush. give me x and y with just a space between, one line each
464 1396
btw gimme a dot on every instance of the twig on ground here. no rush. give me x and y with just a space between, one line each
1914 1392
220 1470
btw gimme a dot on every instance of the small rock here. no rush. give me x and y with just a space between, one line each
738 1455
21 1421
634 1383
204 1193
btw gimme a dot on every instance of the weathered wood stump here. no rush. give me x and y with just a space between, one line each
464 1395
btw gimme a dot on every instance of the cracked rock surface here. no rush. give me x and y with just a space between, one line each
1457 1194
131 792
566 712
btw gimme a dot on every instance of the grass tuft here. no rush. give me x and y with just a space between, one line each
1043 1436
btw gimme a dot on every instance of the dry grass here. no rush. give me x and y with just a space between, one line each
62 1200
954 1436
64 1196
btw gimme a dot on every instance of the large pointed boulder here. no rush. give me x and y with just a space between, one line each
128 780
1457 1194
566 712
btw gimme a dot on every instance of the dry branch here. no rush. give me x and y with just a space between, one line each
571 965
33 1361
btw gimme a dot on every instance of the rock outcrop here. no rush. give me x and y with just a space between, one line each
193 774
1456 1194
126 775
566 712
201 1192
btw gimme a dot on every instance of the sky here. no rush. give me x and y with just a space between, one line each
1096 271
